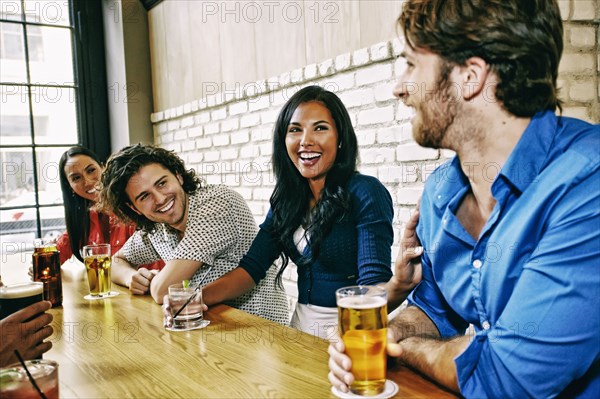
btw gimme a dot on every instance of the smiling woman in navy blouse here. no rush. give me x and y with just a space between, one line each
334 223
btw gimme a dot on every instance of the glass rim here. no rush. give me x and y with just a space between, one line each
363 290
22 283
180 286
96 246
18 367
44 241
7 287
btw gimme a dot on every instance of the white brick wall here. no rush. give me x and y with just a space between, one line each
377 115
373 74
229 141
580 64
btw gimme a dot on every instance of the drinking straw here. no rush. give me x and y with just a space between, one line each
196 290
35 385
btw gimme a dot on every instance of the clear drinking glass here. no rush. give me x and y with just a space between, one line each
97 263
191 316
15 384
362 323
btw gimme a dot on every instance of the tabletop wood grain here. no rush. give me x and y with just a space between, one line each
118 347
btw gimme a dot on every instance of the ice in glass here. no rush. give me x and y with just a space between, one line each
191 316
14 383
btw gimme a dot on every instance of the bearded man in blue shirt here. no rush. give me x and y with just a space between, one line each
510 227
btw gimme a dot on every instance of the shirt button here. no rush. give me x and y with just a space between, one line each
485 325
476 263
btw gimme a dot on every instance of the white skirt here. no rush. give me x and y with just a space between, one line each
319 321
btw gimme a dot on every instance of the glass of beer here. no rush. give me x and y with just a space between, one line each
46 269
191 316
362 323
18 296
97 265
14 382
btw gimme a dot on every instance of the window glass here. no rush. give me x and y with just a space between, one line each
50 56
53 221
47 159
55 115
15 122
55 12
17 183
12 53
11 9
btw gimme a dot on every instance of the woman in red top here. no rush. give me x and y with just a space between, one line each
80 171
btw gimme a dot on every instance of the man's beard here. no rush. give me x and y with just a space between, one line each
436 113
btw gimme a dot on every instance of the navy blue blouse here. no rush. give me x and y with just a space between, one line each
356 251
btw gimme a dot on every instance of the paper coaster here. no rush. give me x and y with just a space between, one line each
202 324
93 298
389 390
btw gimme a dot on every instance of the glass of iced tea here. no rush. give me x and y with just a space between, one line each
362 323
97 265
191 316
46 269
15 384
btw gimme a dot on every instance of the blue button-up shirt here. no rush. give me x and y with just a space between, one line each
530 285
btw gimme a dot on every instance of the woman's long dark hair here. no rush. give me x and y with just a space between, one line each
290 201
77 209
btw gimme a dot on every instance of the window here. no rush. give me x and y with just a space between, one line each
45 81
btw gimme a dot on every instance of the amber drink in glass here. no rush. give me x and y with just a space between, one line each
46 269
97 264
362 323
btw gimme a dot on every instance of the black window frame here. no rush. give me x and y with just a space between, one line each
90 72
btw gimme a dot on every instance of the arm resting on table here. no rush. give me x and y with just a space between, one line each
229 286
432 357
122 270
175 271
421 348
412 322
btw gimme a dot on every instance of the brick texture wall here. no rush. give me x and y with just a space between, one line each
227 137
579 69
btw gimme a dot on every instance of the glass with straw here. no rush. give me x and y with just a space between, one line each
32 379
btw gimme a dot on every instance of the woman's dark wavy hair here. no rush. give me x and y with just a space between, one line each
77 209
127 162
290 199
522 41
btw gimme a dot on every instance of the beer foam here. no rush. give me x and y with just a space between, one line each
361 302
21 290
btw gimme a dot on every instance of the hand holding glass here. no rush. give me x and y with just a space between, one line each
362 323
18 296
191 316
97 263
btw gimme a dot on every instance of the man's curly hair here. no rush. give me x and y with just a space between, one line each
122 165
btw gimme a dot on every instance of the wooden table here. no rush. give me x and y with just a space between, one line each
118 348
